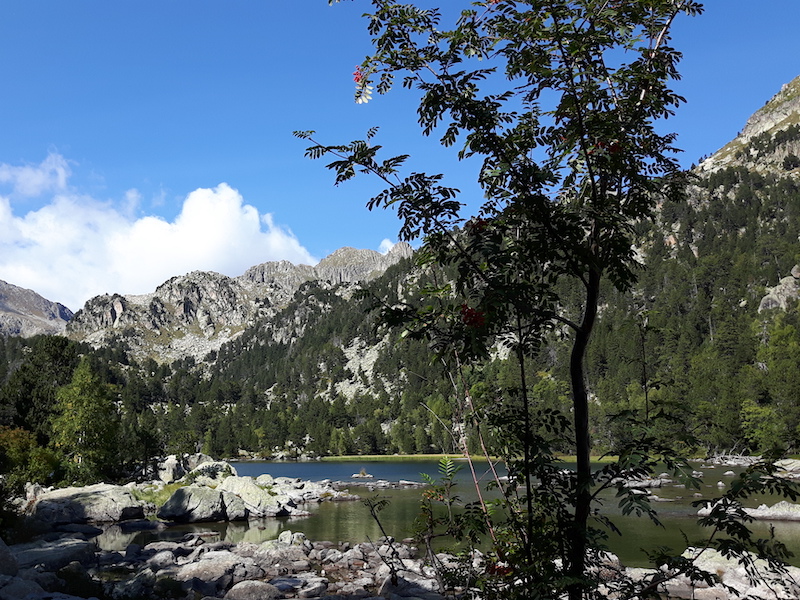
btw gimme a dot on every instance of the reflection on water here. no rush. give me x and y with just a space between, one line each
351 521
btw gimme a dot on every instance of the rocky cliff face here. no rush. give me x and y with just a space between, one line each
769 139
194 314
25 313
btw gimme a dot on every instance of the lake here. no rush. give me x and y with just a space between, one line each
351 521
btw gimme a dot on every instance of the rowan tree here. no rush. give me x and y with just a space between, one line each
562 102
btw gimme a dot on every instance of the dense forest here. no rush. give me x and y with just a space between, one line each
325 377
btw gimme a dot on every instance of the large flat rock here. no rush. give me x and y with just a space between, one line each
99 503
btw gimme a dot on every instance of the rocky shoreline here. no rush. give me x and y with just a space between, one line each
69 561
198 566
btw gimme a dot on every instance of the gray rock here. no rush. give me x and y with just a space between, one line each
287 584
409 585
170 469
14 588
194 504
47 580
782 295
253 590
259 501
297 538
53 555
99 503
265 480
25 313
138 586
192 461
235 508
8 562
220 568
211 473
200 311
161 560
313 590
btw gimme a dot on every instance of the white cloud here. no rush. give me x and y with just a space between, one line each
75 247
385 246
34 180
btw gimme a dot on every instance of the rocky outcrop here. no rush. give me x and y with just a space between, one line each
199 504
781 511
25 313
198 567
195 314
218 494
734 579
99 503
783 295
769 137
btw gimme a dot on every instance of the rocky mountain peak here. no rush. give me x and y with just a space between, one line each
770 140
778 113
25 313
194 314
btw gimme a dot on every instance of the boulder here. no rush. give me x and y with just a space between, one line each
259 501
170 469
220 568
99 503
192 461
8 563
782 586
53 555
194 504
253 590
14 588
211 473
235 507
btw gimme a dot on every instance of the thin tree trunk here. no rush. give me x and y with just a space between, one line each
580 399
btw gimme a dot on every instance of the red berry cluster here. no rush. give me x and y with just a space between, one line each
472 317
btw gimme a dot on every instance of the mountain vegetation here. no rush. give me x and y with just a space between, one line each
604 303
691 340
322 377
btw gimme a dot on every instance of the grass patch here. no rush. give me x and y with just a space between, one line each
394 457
157 496
605 459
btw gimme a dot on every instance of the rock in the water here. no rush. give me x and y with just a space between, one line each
100 503
194 504
53 555
258 500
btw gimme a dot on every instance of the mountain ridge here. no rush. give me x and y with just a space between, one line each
25 313
195 314
769 137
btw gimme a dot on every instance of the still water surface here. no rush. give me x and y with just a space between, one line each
351 521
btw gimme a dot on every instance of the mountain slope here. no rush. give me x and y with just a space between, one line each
770 141
194 314
25 313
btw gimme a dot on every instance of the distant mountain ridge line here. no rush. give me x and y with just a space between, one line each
194 314
25 313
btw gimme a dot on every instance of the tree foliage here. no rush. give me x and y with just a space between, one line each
560 101
86 424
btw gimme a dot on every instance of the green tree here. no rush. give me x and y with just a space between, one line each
85 426
560 112
29 395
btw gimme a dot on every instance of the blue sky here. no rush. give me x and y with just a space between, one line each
145 140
